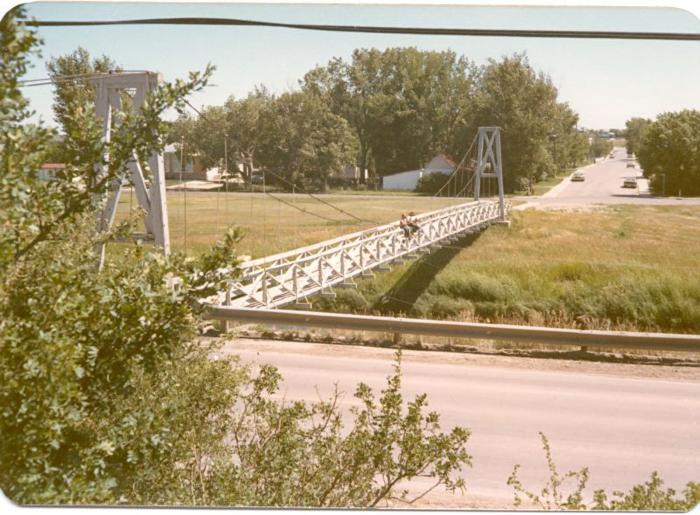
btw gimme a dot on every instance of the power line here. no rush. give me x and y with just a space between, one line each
432 31
57 79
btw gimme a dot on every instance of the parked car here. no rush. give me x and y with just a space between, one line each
631 165
629 182
578 177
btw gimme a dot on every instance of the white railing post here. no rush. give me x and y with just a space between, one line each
264 290
321 281
295 282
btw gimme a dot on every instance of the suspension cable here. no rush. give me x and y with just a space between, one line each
329 204
278 199
297 186
57 79
457 167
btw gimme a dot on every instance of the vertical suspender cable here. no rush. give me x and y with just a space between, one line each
226 177
184 190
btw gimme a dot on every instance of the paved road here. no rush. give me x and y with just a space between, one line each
603 185
622 427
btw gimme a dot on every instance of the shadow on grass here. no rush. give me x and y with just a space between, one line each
403 295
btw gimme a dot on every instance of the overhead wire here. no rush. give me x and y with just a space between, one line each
430 31
57 79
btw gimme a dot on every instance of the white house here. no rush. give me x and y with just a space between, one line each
193 169
409 180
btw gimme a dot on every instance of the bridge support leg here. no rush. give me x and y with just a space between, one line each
153 202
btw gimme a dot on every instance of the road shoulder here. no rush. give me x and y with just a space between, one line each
676 372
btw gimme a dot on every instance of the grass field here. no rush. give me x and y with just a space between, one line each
271 225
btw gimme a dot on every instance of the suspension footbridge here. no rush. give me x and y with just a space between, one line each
292 277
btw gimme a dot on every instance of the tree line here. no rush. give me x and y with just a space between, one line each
387 111
668 150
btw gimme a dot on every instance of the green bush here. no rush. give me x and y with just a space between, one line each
430 183
567 492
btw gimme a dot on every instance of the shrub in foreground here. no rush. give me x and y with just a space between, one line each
567 492
107 396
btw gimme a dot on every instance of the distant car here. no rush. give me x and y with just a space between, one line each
257 179
631 165
630 182
578 177
233 179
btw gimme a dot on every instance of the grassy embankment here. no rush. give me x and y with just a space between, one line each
626 267
632 268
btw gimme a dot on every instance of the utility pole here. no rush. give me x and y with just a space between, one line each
663 184
184 189
553 138
226 153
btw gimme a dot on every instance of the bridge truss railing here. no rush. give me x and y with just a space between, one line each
291 277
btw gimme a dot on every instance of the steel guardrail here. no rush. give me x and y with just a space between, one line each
531 334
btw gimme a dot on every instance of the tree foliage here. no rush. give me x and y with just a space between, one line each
244 124
303 141
669 153
106 393
634 132
514 96
600 147
431 183
568 492
73 87
202 135
404 104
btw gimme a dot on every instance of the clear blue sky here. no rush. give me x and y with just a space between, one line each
606 82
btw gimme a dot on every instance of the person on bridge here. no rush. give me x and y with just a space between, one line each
408 225
403 224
